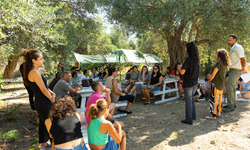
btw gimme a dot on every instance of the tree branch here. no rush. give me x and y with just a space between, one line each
201 42
192 29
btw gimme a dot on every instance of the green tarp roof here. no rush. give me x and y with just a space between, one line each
119 56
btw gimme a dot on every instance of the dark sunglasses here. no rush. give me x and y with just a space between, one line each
155 68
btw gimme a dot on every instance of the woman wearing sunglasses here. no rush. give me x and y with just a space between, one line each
155 83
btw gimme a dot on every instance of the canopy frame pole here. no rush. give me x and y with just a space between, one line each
120 64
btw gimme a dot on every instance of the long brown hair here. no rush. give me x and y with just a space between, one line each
224 57
63 106
96 108
29 55
142 69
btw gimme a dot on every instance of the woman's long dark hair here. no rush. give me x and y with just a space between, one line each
193 52
29 55
111 70
158 73
142 69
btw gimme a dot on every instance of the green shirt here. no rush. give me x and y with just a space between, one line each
219 79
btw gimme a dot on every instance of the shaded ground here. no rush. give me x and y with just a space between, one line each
154 127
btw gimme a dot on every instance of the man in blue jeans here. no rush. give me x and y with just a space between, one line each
238 63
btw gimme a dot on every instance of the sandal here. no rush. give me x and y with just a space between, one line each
210 118
120 110
128 112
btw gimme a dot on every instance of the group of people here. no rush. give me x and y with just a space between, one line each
60 122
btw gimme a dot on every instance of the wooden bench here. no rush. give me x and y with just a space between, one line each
164 91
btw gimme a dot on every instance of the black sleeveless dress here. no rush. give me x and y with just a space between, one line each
42 104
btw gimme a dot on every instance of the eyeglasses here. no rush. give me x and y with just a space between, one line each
155 68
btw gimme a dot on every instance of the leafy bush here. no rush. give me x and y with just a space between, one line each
9 136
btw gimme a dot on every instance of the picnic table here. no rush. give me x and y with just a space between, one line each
167 90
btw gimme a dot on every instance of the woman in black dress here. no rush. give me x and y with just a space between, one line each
43 96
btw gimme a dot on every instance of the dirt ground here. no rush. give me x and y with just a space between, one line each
154 127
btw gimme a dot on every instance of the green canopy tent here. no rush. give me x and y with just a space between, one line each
120 57
90 60
123 56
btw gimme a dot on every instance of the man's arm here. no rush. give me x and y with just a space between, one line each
243 62
107 91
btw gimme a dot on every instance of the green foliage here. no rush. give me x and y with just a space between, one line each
1 82
9 136
182 21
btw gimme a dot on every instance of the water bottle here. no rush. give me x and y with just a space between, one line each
120 115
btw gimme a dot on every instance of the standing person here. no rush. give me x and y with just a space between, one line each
64 125
99 129
77 66
238 63
218 83
60 67
30 92
43 96
190 71
155 82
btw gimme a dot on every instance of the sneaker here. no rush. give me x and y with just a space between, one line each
42 147
184 121
227 109
196 100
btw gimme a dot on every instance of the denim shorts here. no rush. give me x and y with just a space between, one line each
111 145
77 147
156 88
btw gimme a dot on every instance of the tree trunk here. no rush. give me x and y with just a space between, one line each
176 50
11 66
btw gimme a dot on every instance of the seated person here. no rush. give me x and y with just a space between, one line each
152 70
196 95
128 74
77 66
116 93
86 77
224 90
167 73
63 87
244 90
144 77
99 129
54 81
204 86
134 77
63 125
155 82
176 73
75 78
102 74
94 73
99 88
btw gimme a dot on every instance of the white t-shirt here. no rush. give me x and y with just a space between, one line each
237 52
205 84
84 77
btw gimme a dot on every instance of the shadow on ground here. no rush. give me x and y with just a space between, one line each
153 126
